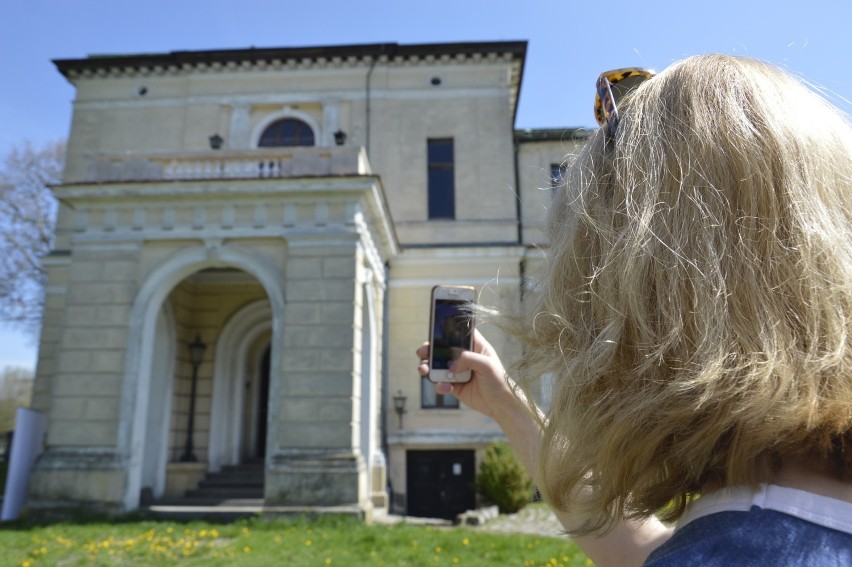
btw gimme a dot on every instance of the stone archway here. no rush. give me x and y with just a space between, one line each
232 351
160 405
139 361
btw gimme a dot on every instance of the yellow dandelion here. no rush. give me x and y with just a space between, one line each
169 530
438 549
246 531
466 541
309 542
328 560
202 533
246 549
455 559
26 563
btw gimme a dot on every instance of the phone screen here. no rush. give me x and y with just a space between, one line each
452 332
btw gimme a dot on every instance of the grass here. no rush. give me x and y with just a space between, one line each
331 540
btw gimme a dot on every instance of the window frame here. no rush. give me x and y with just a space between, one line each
442 401
440 195
301 126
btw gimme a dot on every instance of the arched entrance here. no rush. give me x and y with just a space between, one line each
240 392
169 286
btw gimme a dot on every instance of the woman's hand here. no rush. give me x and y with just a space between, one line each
489 390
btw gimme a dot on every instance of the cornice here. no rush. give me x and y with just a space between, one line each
259 59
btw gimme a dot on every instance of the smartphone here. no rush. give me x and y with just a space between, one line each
450 330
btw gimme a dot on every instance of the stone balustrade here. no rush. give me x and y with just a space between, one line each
243 164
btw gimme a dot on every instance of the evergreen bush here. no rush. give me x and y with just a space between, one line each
503 479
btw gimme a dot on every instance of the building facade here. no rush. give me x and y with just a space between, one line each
245 248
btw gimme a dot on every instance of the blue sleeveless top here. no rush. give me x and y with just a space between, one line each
776 526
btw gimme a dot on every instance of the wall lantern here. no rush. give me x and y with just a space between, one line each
340 137
399 405
216 141
196 356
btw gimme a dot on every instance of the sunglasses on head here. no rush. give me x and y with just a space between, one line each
611 87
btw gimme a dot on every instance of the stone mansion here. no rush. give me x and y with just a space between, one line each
244 253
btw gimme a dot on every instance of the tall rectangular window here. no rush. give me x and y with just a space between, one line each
431 400
442 184
557 177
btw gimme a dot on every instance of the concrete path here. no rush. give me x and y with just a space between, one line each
536 519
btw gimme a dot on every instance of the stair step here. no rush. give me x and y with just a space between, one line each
177 502
235 482
226 493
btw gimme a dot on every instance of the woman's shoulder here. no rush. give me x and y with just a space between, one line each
754 537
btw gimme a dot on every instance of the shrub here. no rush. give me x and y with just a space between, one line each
503 479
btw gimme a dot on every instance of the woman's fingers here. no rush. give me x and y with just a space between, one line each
423 355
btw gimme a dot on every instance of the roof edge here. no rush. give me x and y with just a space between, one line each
183 59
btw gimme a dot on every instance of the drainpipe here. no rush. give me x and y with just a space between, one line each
383 412
367 99
522 265
518 205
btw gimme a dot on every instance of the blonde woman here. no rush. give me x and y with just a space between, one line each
696 314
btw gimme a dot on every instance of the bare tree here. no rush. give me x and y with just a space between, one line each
27 217
16 387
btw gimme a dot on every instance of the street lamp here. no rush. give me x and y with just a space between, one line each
196 355
399 405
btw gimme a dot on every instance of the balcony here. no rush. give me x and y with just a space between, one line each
243 164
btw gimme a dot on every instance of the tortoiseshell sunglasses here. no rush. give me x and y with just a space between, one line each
611 86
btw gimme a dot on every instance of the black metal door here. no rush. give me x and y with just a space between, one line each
440 483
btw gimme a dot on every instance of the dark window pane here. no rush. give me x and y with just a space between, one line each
441 194
441 179
287 132
430 400
440 152
556 172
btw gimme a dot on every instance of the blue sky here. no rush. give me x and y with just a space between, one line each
570 43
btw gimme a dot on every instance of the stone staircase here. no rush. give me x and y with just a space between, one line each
236 491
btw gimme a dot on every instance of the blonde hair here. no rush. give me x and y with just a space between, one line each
698 298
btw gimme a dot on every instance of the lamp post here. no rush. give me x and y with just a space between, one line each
340 137
196 355
399 405
215 141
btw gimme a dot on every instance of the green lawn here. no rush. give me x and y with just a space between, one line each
326 541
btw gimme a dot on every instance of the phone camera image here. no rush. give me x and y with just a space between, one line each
452 330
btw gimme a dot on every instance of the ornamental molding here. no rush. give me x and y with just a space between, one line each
444 437
331 213
276 60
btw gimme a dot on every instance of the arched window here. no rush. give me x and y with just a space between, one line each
287 132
